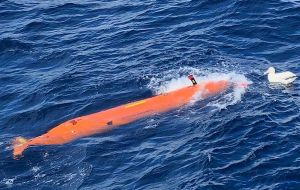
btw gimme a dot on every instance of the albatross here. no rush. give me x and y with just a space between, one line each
286 77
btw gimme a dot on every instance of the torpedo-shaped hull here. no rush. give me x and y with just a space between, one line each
118 116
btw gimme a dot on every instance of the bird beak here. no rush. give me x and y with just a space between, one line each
265 73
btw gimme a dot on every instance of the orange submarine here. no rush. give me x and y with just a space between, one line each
104 120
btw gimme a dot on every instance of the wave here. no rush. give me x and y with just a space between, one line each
9 44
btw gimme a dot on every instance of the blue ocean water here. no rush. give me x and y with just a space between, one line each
62 59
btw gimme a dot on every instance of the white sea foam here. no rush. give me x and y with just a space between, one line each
8 181
35 168
176 79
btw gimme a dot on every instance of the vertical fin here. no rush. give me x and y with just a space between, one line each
191 77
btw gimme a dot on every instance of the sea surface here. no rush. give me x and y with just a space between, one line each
63 59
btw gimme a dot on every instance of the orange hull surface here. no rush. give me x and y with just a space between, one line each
117 116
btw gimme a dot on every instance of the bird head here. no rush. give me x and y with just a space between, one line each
270 70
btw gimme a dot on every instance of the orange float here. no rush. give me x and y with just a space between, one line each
120 115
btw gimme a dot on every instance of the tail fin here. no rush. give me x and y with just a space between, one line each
19 145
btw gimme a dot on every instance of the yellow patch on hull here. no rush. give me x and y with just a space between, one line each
135 104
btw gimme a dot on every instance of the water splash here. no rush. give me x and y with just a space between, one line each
234 95
176 79
173 79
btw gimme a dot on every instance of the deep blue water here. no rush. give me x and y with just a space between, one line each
63 59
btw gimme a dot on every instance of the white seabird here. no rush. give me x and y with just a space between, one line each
283 77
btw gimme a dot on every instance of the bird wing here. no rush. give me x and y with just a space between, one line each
285 75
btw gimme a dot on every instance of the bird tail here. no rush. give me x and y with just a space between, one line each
19 145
